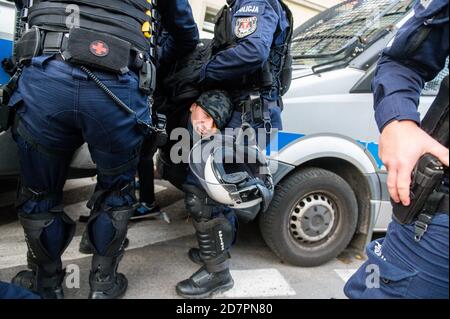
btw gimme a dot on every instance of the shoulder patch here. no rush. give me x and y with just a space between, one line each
245 26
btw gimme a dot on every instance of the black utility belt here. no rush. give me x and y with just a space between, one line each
90 49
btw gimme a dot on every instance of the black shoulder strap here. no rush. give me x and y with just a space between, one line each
424 32
223 35
436 122
290 18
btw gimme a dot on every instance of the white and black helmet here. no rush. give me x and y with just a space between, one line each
232 174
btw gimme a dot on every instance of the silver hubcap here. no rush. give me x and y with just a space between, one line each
312 219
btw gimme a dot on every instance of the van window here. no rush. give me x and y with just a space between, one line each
210 17
335 34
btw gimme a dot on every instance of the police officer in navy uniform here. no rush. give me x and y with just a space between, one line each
409 262
70 92
248 55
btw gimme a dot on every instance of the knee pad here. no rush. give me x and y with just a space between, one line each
34 226
197 203
102 203
119 220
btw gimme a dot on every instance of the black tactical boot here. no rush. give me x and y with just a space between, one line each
195 257
104 280
44 280
46 274
203 284
214 236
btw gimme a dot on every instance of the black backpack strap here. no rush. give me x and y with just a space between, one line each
286 64
436 121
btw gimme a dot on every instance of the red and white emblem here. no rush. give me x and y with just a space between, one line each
99 48
245 26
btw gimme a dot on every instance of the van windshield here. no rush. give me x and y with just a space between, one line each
335 34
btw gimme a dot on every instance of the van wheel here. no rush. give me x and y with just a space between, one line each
311 219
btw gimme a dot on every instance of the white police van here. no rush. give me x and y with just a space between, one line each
331 188
331 191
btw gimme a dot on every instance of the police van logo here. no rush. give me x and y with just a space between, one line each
245 26
99 48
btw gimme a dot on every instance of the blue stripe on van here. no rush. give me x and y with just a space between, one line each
6 47
286 138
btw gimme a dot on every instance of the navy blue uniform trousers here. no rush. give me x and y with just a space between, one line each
404 268
62 109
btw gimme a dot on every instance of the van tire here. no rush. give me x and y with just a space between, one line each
305 186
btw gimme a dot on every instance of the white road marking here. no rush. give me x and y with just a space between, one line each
257 283
83 182
159 188
345 274
78 183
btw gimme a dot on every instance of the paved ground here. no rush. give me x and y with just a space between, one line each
156 259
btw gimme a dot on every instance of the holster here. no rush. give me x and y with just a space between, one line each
427 192
259 109
427 177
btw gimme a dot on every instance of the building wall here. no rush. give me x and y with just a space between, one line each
301 9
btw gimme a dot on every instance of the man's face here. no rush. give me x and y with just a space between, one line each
202 122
